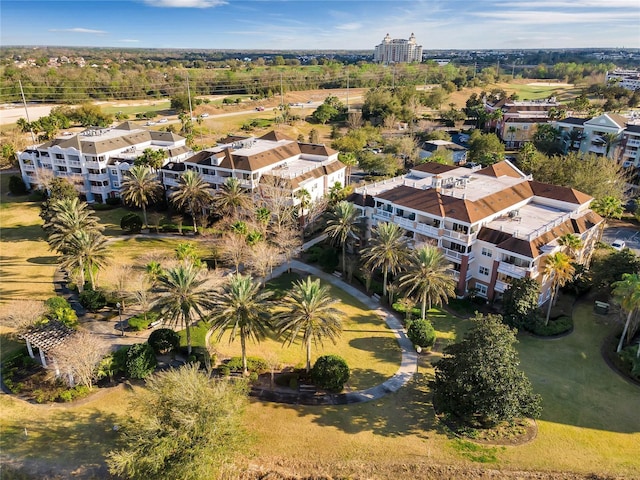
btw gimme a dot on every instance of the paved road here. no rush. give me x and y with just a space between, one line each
631 236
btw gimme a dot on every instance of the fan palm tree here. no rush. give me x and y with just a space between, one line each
610 140
387 249
342 226
87 251
232 198
183 297
557 266
193 194
243 308
67 217
428 278
309 313
304 197
575 136
627 291
572 243
608 207
140 187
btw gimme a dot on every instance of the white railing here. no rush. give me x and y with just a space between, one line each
28 166
633 143
216 179
428 229
501 286
383 213
459 235
74 163
59 161
404 222
513 270
98 176
172 182
452 254
454 273
97 189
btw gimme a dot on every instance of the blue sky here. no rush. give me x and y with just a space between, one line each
324 25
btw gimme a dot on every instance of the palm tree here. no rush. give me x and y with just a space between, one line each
627 291
575 136
154 271
183 297
309 313
151 158
305 201
558 266
610 139
243 308
67 217
140 187
572 243
86 251
608 207
193 194
387 249
428 278
342 227
231 198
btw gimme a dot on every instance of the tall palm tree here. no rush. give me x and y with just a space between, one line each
193 194
342 227
309 313
87 251
183 297
575 136
428 278
305 201
232 198
557 266
243 308
608 207
610 140
68 216
387 249
572 244
627 291
140 187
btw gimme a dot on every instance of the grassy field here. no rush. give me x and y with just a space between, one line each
161 107
26 263
523 89
366 343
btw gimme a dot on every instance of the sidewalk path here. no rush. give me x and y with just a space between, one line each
408 364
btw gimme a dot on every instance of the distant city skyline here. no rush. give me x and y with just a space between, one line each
321 25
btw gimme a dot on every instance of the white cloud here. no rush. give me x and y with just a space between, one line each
185 3
349 26
532 17
78 30
572 4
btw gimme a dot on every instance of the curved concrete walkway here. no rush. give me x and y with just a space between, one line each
408 364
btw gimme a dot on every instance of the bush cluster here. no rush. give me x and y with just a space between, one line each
254 364
131 223
92 300
140 360
422 333
142 321
556 326
330 372
163 340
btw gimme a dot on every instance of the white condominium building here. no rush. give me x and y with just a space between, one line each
398 50
96 159
493 224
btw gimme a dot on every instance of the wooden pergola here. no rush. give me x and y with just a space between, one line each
45 338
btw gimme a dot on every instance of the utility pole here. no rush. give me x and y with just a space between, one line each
347 88
190 107
281 91
26 110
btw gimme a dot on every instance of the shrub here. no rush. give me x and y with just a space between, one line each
92 300
131 223
142 321
556 326
141 360
421 333
163 340
17 186
631 360
224 370
59 309
254 364
75 393
330 372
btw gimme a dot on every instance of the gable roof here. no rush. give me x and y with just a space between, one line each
563 194
433 168
503 168
127 126
274 136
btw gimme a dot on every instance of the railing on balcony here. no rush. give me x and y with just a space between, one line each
28 166
513 270
74 163
633 143
59 161
99 189
98 176
215 179
501 286
428 229
454 273
452 254
382 213
404 222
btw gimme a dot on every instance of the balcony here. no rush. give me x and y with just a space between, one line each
453 255
213 179
96 165
454 273
597 149
380 214
59 161
501 286
171 182
427 229
28 166
99 189
633 143
466 238
405 222
74 163
99 177
513 270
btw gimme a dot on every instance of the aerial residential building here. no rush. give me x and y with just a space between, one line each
96 159
398 50
273 159
517 120
601 135
458 152
628 79
493 224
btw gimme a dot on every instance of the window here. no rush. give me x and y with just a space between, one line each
59 156
114 171
486 252
484 271
482 289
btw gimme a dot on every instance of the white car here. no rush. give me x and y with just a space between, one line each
204 115
618 244
163 120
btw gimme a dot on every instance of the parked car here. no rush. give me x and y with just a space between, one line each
204 115
260 109
618 244
163 120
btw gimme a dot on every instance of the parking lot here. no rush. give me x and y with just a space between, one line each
630 236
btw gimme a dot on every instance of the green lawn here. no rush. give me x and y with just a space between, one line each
162 107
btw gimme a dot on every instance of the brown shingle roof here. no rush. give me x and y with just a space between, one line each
127 126
433 168
260 160
500 169
274 136
563 194
315 149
